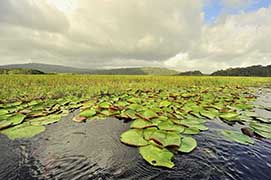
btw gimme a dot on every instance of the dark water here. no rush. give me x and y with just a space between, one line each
92 150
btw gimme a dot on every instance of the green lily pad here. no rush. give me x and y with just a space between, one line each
166 138
148 114
5 124
147 133
24 130
17 119
104 105
45 120
3 112
230 116
170 126
133 137
135 107
4 117
191 131
208 114
164 103
261 129
188 144
140 124
237 137
157 156
88 113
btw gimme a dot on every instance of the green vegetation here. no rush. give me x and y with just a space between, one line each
49 68
20 71
260 71
166 111
137 71
191 73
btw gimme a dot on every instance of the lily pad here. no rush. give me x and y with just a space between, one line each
148 114
237 137
104 105
188 144
191 131
147 133
164 103
166 138
3 112
133 137
24 130
5 124
208 114
17 119
170 126
88 113
45 120
230 116
157 156
140 124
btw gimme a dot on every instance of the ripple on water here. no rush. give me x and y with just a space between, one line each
92 150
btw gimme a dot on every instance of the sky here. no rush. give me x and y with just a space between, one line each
184 35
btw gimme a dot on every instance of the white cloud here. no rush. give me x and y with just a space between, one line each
233 41
236 3
115 33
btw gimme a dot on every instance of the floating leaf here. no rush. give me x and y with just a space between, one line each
237 137
135 107
79 118
133 137
157 156
261 129
208 114
191 131
17 119
5 124
230 116
45 120
88 113
166 138
147 133
170 126
188 144
140 124
3 112
23 131
148 114
104 105
164 103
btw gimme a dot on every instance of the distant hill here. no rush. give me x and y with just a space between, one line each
20 71
49 68
138 71
191 73
262 71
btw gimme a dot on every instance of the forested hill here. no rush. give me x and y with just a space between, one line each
20 71
50 68
137 71
263 71
191 73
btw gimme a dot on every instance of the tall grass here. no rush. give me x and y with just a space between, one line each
48 86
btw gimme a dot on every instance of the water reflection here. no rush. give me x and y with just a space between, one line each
92 150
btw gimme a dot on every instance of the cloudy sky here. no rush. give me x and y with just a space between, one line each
184 35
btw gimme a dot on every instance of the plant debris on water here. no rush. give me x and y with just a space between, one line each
164 121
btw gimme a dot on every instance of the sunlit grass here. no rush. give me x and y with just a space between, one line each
48 86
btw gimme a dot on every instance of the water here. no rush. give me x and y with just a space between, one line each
92 150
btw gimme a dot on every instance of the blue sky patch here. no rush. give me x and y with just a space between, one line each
215 8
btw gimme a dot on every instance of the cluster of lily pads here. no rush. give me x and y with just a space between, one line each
163 121
26 119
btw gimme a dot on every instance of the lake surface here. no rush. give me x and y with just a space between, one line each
92 150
